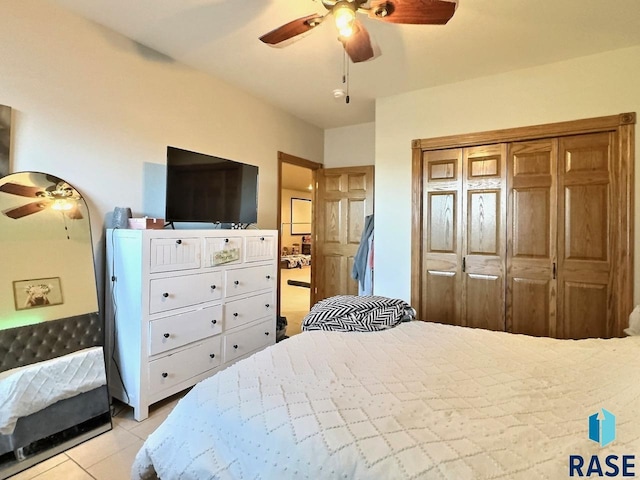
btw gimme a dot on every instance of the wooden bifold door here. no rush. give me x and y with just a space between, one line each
531 235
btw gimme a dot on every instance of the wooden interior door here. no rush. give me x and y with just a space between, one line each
484 237
344 200
442 239
532 237
586 239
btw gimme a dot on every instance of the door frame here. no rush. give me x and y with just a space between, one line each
313 166
623 124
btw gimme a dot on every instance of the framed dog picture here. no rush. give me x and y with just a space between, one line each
40 292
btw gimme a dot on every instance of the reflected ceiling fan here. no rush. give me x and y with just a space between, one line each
58 196
352 33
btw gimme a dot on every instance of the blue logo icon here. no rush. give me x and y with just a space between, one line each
602 427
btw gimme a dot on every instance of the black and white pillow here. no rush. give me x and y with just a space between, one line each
350 313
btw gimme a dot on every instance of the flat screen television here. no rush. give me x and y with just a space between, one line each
204 188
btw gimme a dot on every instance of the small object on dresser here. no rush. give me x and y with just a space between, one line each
146 223
121 216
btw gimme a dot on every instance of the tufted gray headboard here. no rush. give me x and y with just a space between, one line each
43 341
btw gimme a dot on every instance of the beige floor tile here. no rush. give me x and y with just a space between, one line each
117 466
67 470
146 428
124 413
41 467
97 449
294 300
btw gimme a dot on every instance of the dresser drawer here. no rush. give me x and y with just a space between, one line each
260 247
171 254
245 341
178 367
247 280
176 292
222 251
246 310
178 330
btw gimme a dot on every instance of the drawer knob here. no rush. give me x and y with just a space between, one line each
235 346
226 240
212 355
166 335
214 321
237 282
213 287
165 295
179 242
268 277
262 239
266 305
165 374
266 333
235 314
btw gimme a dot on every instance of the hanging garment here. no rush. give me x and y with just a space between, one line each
361 259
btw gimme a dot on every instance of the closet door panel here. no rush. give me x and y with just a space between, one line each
585 239
441 242
484 301
587 222
531 238
484 239
585 309
442 286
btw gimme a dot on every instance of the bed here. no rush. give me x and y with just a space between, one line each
295 261
422 400
52 389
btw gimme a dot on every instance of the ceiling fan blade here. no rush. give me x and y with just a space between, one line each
358 45
292 29
423 12
22 190
27 209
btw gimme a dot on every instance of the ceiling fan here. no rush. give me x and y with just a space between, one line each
59 196
352 33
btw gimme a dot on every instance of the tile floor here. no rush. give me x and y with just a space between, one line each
108 456
294 300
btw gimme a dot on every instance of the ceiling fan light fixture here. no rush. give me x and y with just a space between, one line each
62 204
344 14
382 10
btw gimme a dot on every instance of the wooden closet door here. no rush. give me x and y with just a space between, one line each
484 235
531 238
586 235
441 242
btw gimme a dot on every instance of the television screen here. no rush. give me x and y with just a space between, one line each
204 188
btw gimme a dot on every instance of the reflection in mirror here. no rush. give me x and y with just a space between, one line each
53 392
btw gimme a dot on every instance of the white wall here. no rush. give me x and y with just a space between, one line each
598 85
351 146
287 239
98 110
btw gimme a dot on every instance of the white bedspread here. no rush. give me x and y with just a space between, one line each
29 389
421 400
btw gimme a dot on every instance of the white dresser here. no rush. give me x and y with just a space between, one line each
182 304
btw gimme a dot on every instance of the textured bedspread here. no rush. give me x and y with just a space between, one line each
421 400
29 389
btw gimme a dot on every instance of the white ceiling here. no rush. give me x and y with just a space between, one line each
296 178
483 37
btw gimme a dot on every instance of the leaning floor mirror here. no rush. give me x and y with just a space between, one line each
53 392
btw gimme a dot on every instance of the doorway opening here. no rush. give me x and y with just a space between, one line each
296 232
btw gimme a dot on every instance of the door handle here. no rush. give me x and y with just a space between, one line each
554 270
464 264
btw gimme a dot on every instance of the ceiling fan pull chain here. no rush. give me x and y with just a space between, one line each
347 62
345 73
